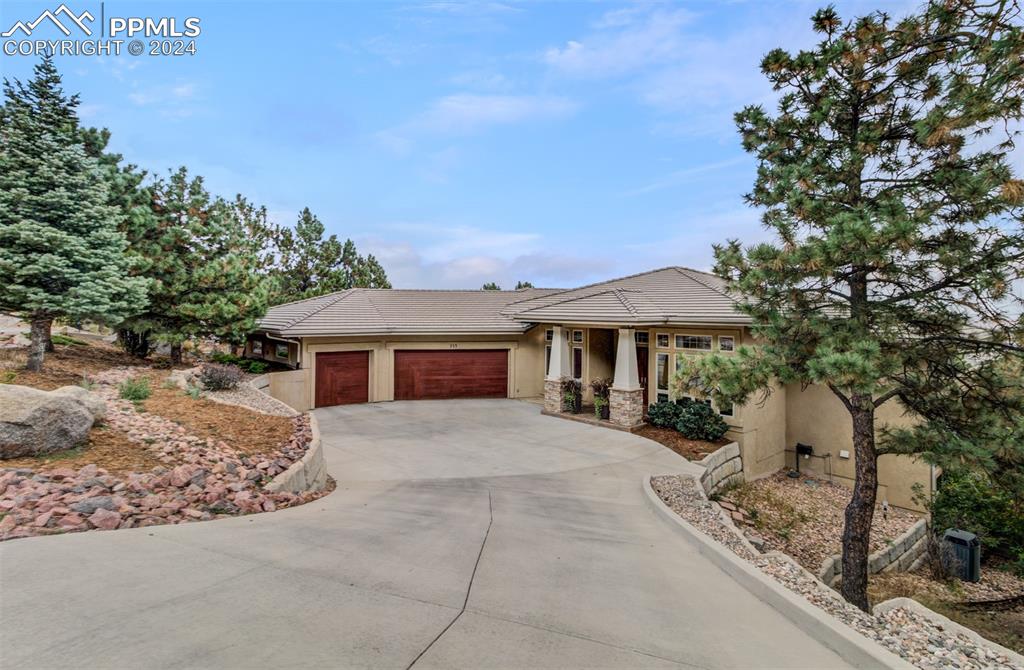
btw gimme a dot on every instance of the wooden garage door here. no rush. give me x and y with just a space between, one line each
469 373
342 378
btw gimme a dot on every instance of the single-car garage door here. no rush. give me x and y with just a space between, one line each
468 373
342 378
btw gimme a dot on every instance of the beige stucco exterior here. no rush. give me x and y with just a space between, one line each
767 428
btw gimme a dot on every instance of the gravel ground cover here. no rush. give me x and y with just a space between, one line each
243 395
804 517
915 638
200 477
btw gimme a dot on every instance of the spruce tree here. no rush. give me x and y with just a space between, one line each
61 253
523 284
491 286
886 180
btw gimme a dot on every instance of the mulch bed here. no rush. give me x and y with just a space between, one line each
67 365
804 517
108 447
246 431
692 450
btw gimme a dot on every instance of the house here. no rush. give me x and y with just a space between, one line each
378 345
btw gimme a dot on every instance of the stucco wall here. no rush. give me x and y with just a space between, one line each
816 417
290 387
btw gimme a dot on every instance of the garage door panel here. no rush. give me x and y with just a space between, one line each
342 378
433 375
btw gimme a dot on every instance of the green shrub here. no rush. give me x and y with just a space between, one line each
253 367
216 377
971 502
135 390
65 340
698 421
8 376
664 414
224 358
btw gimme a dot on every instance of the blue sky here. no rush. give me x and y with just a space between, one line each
461 143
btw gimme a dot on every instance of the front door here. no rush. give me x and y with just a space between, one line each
641 369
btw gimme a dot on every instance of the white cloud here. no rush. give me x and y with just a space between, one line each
625 41
468 112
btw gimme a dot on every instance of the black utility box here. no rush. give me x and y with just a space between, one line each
962 554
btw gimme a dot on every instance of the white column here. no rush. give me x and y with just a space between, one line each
559 366
627 377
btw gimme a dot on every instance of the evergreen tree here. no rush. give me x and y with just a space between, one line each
61 253
885 179
491 286
128 193
309 265
205 272
523 284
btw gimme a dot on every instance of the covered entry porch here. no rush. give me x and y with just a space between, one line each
588 353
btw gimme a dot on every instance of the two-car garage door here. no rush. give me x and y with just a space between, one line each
420 374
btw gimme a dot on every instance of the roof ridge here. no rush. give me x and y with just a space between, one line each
579 297
327 303
377 310
625 303
685 272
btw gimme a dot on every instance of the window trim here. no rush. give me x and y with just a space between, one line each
645 342
668 341
549 335
668 380
731 338
731 413
277 351
256 347
678 341
572 362
577 332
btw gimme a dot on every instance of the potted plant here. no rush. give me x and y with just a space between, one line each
572 395
601 387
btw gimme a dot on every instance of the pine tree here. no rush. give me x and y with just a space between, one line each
523 284
491 286
309 265
885 179
61 253
204 269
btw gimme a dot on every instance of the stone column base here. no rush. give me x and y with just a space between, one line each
626 408
552 395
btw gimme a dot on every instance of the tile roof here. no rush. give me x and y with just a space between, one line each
668 295
399 311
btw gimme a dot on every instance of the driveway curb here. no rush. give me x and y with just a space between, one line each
852 647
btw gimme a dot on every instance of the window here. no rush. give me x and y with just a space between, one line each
727 411
577 362
281 351
577 336
686 400
257 347
662 372
700 342
662 397
662 340
547 360
726 343
641 337
549 334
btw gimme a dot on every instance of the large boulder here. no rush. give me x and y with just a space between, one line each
92 401
35 423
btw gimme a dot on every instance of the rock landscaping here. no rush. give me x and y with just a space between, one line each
803 517
35 423
200 477
907 633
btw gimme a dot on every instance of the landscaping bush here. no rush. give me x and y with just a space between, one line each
254 367
224 358
572 395
217 377
698 421
970 501
664 414
135 390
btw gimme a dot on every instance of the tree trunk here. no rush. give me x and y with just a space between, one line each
49 341
175 354
134 343
861 510
37 348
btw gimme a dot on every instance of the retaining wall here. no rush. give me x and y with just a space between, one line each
306 474
722 468
905 553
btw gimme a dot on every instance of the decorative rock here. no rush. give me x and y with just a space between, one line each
92 401
90 505
105 519
36 423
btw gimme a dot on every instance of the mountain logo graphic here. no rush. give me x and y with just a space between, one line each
69 15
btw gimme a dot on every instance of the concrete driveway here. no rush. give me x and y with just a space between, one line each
462 534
